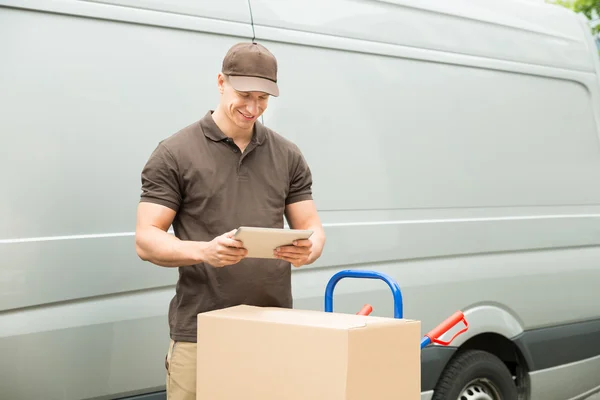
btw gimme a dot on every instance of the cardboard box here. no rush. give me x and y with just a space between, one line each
255 353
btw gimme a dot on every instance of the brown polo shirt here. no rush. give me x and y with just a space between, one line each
214 188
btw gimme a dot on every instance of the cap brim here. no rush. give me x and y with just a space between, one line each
253 84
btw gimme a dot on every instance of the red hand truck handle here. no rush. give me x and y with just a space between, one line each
445 326
366 310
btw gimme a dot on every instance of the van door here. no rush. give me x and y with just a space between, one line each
88 89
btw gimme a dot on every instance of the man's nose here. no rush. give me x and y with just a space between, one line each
252 107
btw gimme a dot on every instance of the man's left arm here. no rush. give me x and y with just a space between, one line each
303 215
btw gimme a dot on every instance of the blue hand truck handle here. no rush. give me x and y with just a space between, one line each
396 292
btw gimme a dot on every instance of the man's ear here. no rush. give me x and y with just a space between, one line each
221 82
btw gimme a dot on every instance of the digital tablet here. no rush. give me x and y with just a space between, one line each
260 242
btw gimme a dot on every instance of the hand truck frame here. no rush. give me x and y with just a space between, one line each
431 337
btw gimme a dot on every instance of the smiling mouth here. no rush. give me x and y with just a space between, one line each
246 116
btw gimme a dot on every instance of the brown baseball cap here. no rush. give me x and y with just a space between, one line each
251 67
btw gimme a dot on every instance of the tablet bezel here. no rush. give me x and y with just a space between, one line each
261 242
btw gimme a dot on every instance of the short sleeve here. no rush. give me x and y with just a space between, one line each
160 179
300 180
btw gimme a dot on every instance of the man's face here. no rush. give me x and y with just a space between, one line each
242 108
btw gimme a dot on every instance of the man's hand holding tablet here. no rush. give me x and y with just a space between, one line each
292 245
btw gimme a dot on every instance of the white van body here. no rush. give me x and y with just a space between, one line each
454 145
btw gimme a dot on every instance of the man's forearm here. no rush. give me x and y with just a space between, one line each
161 248
318 239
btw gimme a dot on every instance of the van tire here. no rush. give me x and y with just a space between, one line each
472 371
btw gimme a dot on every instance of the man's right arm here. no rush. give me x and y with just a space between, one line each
160 188
153 243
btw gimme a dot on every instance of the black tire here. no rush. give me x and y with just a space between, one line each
472 371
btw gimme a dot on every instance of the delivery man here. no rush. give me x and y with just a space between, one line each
224 171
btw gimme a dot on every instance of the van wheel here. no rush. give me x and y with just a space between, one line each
475 375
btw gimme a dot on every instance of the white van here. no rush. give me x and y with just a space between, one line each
454 146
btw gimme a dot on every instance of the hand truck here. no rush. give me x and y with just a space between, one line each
430 337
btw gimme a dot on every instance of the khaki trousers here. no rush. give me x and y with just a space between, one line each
181 371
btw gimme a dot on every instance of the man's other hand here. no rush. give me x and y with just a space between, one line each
298 254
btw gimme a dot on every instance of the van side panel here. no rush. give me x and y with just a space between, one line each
567 381
432 159
85 101
468 174
433 135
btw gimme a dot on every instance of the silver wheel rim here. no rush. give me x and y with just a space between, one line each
479 389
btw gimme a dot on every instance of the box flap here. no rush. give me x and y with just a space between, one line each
300 317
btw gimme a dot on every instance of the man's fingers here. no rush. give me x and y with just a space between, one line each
225 260
292 251
235 253
223 250
232 254
230 260
231 243
294 257
298 247
303 243
295 261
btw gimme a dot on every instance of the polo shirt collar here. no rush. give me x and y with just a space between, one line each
213 132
